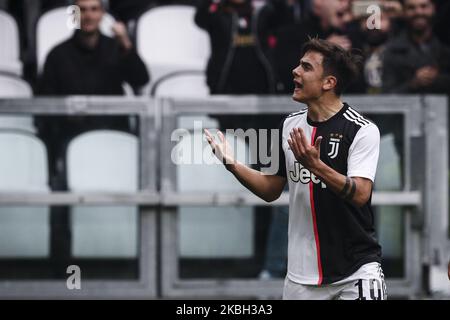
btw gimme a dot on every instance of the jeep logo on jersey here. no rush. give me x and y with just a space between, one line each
300 173
335 139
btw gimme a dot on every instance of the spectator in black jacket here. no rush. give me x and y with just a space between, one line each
89 63
86 64
238 34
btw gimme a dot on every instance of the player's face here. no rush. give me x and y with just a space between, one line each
91 15
308 78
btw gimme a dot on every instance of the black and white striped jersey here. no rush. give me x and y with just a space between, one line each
329 238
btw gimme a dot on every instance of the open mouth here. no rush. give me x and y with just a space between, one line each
298 85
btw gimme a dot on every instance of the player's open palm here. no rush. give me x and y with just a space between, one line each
221 148
308 155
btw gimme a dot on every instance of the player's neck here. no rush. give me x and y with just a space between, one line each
323 109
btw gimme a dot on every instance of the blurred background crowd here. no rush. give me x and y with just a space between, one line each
255 44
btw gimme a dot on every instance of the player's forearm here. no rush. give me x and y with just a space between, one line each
266 187
349 189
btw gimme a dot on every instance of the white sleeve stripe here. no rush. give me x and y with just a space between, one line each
353 120
356 114
358 118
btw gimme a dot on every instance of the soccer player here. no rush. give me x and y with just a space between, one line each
328 154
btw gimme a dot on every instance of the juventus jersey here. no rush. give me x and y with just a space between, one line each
329 238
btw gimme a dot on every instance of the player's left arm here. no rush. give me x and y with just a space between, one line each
356 187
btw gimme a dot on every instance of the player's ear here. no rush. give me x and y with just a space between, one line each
329 82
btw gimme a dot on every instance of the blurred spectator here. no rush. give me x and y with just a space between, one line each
294 11
416 61
88 63
240 36
238 64
131 9
91 63
373 48
329 20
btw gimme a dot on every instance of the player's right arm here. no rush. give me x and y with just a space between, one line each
267 187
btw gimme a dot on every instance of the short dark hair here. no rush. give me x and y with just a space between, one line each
337 62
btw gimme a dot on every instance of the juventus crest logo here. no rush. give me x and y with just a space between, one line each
335 139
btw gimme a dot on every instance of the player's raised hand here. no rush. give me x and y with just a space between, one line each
221 148
305 153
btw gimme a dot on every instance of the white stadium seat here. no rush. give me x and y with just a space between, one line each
185 84
24 231
168 40
10 45
14 87
107 161
52 29
182 85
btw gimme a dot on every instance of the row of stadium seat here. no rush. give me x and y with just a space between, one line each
97 161
107 161
165 46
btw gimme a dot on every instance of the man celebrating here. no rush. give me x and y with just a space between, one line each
328 154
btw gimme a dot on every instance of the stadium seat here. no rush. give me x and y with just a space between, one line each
24 230
183 84
212 232
10 48
14 87
103 161
166 46
52 29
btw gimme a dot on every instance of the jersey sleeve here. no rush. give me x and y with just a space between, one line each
277 149
363 153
